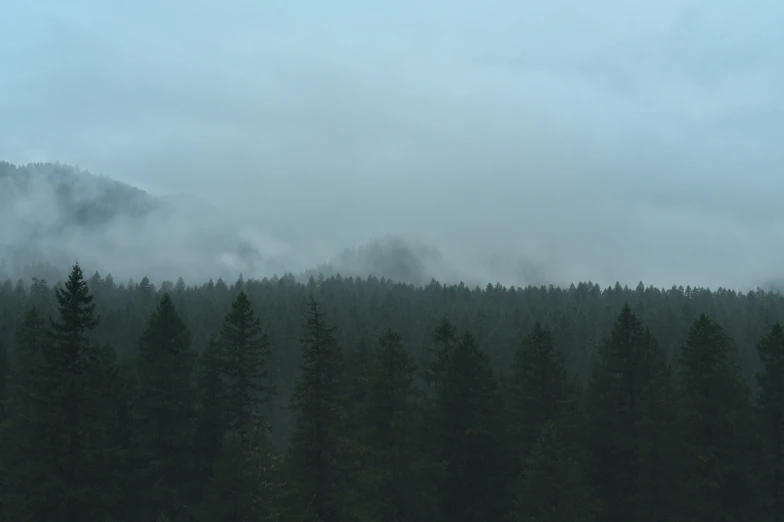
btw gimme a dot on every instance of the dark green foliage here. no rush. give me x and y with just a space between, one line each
390 479
316 473
20 464
771 414
5 371
65 414
357 367
656 488
626 375
121 393
244 484
553 489
444 337
211 421
244 352
468 420
166 410
714 419
362 442
540 391
539 387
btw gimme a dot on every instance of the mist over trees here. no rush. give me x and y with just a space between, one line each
358 399
51 214
328 394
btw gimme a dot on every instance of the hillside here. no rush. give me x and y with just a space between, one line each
52 214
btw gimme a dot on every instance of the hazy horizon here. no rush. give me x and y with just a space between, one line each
605 141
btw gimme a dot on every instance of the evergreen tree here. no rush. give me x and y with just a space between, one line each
391 481
244 350
628 361
211 423
357 368
166 404
444 337
656 490
713 420
539 387
553 489
467 417
244 482
21 452
315 455
771 413
5 370
68 450
121 388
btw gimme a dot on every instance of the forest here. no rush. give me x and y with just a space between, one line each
365 399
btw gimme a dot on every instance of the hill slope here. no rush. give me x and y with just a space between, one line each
52 214
55 214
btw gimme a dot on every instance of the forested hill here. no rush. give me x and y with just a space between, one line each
388 402
53 214
74 196
360 307
50 214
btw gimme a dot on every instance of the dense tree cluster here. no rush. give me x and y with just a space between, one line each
366 400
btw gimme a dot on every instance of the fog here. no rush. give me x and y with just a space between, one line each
516 142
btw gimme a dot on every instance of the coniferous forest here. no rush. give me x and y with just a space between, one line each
352 400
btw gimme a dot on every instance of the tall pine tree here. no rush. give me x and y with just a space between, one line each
467 418
316 469
771 413
211 423
5 371
714 419
244 352
539 387
166 410
21 451
620 380
70 414
391 483
553 489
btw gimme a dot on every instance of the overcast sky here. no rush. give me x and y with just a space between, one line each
607 140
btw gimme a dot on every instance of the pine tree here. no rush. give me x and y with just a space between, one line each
391 482
444 337
241 488
620 379
21 462
5 371
315 454
539 387
467 419
357 367
211 423
656 491
121 388
68 449
244 352
71 383
713 420
771 413
166 404
553 489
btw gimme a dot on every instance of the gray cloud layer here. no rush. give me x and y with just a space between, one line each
605 141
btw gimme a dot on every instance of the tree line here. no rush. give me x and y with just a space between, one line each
131 403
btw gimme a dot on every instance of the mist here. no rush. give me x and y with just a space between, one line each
524 144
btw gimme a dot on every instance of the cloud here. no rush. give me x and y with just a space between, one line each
605 141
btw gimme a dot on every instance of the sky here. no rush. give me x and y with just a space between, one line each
604 141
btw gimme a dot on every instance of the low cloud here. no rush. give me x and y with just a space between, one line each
545 143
